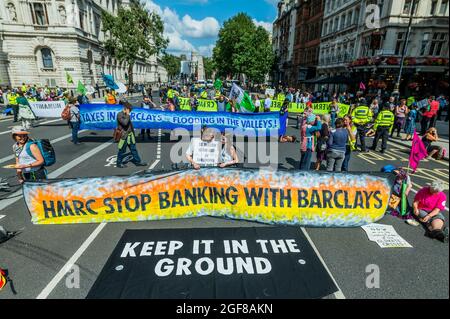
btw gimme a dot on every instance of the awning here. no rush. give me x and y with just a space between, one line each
315 80
338 79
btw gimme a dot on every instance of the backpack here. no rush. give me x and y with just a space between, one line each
47 151
65 114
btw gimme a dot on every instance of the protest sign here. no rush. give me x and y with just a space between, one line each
47 108
385 236
240 263
205 153
270 92
274 197
104 117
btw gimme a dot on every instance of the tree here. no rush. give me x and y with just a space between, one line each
209 67
243 48
172 64
133 34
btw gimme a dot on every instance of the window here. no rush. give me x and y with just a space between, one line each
433 7
39 13
81 20
407 7
356 17
437 43
424 45
47 60
443 8
400 43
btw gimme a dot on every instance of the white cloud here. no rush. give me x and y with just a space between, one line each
206 50
265 25
187 26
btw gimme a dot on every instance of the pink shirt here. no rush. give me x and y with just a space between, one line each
428 201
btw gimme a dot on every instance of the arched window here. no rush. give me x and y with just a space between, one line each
47 60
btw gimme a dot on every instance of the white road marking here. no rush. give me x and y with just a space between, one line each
154 164
68 266
338 294
7 158
1 216
14 197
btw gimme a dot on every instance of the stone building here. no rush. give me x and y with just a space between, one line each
41 40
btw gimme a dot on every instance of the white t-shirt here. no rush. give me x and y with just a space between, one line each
267 103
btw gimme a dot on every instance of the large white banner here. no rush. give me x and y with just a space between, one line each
47 108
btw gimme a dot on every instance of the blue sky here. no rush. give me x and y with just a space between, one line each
194 24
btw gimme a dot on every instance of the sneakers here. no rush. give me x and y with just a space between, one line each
120 166
412 222
141 164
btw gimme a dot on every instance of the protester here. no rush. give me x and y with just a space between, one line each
127 137
11 97
228 154
428 113
322 140
361 117
400 116
193 102
74 121
310 125
208 135
336 147
223 104
399 205
351 142
382 127
434 151
391 104
410 124
110 97
267 103
147 104
25 114
29 159
429 203
374 107
334 111
283 110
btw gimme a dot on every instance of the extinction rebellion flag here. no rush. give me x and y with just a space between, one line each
244 102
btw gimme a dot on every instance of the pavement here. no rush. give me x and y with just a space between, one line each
38 257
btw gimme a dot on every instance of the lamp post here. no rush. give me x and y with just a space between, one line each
405 49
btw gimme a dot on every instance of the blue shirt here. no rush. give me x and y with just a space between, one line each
338 140
412 115
309 133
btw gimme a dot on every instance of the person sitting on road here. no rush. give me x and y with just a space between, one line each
429 203
399 205
228 154
29 159
208 136
434 151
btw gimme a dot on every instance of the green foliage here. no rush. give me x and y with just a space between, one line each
133 34
172 64
243 48
209 67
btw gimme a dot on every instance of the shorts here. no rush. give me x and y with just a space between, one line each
423 213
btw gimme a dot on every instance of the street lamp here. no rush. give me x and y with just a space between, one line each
405 49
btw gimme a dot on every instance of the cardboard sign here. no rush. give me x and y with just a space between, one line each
385 236
238 263
206 153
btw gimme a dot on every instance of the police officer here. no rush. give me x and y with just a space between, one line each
12 103
383 127
361 117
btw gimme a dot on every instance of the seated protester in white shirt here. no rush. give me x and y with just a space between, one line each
228 154
204 151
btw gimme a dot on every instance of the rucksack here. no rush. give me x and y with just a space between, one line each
65 115
47 151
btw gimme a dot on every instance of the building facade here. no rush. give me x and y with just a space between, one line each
355 46
283 42
192 69
307 40
41 40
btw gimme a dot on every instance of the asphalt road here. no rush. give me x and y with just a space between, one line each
35 259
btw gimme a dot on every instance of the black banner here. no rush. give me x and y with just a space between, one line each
206 263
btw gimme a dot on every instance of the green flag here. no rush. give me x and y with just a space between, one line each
69 78
218 84
243 100
81 88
